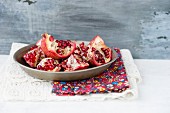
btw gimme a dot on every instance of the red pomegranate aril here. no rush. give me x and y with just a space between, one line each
62 47
63 43
83 49
102 61
51 61
106 50
107 56
51 38
58 51
57 41
59 44
103 49
39 67
97 58
68 43
100 57
97 52
51 67
93 49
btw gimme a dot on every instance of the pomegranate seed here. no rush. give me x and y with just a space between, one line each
56 41
51 67
93 49
103 49
60 41
100 57
102 61
46 63
59 44
96 57
31 56
46 67
59 51
107 56
64 44
62 47
51 61
51 38
69 45
83 49
107 50
39 67
81 44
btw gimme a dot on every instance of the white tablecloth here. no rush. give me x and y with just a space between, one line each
154 95
16 85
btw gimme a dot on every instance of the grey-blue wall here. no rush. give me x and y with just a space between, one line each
139 25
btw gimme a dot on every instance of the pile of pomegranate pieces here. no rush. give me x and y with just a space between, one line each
50 54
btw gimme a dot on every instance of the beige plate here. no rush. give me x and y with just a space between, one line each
60 76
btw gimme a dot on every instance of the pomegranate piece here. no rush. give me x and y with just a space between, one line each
74 62
82 50
98 52
57 49
49 64
34 56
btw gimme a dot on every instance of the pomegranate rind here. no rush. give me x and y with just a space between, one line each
51 52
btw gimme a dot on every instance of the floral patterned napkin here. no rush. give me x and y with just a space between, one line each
114 79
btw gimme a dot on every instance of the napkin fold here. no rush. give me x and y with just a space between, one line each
16 85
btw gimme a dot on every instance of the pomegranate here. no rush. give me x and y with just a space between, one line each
49 64
82 50
34 56
98 52
57 49
73 56
74 62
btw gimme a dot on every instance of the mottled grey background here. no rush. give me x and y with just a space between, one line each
143 26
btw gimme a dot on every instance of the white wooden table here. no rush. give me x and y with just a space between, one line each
154 95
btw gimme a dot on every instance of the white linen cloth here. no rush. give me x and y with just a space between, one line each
16 85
